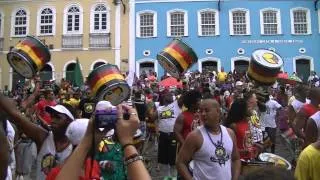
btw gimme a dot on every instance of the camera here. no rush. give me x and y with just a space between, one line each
106 118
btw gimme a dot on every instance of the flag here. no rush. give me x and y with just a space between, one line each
77 75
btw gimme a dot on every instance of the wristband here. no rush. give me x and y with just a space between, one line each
131 156
126 145
129 161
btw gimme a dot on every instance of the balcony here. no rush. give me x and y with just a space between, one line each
72 41
99 40
1 44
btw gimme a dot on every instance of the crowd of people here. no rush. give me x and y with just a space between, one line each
209 126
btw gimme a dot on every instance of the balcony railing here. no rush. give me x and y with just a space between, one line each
72 41
1 44
99 40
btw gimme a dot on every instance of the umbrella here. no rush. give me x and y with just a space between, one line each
170 82
285 79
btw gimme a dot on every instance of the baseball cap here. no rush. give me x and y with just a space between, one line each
76 130
59 109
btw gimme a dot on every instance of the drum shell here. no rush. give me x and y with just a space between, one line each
33 52
179 55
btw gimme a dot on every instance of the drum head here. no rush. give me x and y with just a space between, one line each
21 65
168 66
115 93
267 58
277 160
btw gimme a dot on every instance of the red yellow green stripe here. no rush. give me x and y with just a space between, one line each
104 80
184 53
100 74
177 56
38 49
31 53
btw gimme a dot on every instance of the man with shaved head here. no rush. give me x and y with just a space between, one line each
307 110
211 148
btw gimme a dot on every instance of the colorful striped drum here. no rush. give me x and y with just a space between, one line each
177 58
28 57
264 67
107 83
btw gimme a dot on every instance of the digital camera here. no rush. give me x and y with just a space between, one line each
106 118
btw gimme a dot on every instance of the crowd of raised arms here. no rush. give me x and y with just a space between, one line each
205 126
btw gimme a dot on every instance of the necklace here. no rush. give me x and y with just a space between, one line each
220 152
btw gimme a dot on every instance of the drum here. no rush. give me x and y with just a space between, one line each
107 83
249 166
264 67
28 57
275 160
177 58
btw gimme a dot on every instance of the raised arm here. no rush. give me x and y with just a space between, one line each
33 131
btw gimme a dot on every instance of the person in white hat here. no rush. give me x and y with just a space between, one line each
54 147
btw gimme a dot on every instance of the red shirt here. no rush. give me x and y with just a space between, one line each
187 123
309 109
40 107
244 143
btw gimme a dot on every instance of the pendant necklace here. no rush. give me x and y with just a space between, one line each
220 152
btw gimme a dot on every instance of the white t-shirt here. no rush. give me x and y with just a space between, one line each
10 136
167 116
48 157
268 117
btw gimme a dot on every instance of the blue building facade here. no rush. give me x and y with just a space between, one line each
225 33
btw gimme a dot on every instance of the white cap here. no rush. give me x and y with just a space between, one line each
103 105
60 109
76 130
239 83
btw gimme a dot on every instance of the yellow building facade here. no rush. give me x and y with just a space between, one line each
94 32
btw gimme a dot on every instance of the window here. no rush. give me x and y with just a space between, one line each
73 20
147 24
177 23
46 21
239 22
300 21
20 22
100 19
208 22
270 21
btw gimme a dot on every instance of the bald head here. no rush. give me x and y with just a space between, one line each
211 103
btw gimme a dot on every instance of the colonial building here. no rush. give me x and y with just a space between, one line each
95 32
224 33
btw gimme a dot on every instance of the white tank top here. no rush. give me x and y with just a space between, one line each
296 104
316 119
207 166
49 158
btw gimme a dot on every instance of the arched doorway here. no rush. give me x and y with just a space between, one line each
241 66
97 64
146 67
69 71
303 69
209 66
46 73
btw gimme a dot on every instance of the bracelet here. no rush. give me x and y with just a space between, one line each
129 161
131 156
126 145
